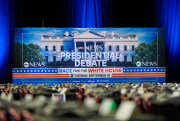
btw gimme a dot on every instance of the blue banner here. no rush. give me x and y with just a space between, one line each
104 55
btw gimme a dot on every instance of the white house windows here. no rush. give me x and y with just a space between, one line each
54 48
54 58
62 48
132 47
110 48
46 48
117 48
132 58
125 58
69 49
46 58
125 47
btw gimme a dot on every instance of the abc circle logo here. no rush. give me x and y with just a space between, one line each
26 64
138 63
71 75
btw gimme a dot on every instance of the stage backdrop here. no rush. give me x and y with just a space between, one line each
88 55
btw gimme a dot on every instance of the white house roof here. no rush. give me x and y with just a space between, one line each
89 35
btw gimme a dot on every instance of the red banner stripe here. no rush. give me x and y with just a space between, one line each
40 75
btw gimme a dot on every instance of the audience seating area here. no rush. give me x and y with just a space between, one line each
92 102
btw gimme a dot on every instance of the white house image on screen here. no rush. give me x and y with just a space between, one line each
89 41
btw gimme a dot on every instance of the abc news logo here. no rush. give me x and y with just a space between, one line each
98 48
34 64
140 64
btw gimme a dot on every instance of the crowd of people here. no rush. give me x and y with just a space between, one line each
90 102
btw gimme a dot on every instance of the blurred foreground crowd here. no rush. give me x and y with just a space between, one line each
90 102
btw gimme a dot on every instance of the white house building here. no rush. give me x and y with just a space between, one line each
88 42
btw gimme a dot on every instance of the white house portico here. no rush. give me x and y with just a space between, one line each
88 42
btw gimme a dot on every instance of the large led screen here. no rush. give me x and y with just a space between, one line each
88 55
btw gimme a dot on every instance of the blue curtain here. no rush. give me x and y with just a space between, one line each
6 22
87 13
170 19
